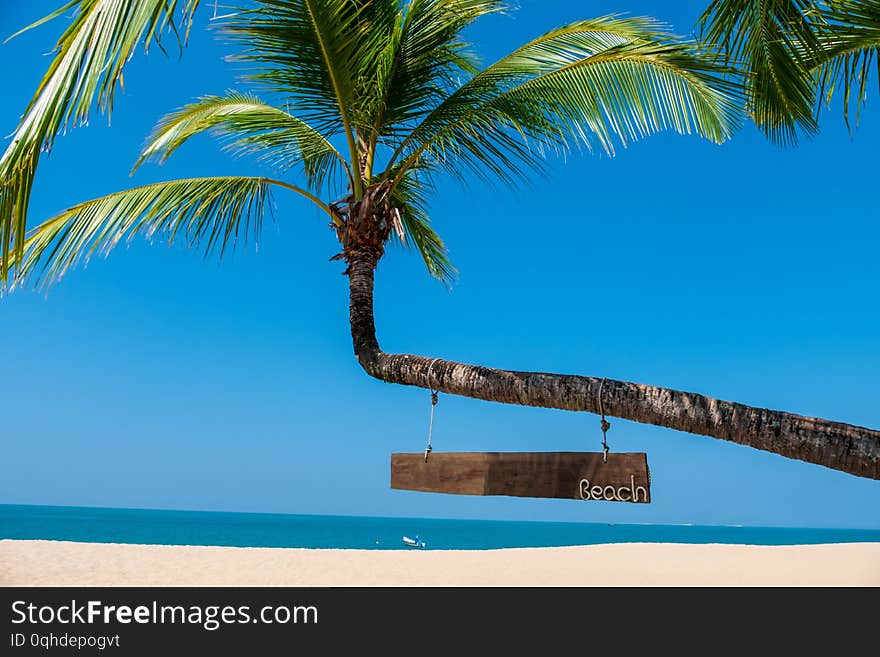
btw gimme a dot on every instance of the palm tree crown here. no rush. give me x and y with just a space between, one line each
369 100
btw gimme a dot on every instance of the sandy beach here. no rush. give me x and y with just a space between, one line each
58 563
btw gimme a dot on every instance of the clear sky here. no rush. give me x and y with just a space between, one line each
158 379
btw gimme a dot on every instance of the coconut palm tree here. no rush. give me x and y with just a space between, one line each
793 55
366 103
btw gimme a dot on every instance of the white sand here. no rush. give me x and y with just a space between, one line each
57 563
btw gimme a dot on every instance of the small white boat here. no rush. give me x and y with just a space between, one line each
413 542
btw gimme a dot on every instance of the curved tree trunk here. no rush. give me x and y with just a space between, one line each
845 447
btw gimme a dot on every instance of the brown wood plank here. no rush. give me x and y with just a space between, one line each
567 475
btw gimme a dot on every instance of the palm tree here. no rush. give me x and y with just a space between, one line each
370 101
792 55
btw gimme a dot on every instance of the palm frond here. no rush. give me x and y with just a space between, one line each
772 42
423 55
88 64
314 51
298 47
851 50
590 82
410 196
246 125
211 213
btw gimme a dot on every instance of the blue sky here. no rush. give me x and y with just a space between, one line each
158 379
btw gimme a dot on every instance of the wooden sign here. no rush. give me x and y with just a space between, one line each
567 475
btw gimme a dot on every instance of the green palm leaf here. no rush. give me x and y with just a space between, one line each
410 196
91 54
212 213
315 51
299 47
851 50
774 42
422 55
590 82
248 126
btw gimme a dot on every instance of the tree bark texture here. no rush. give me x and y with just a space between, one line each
845 447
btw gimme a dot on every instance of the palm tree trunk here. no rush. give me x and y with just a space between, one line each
836 445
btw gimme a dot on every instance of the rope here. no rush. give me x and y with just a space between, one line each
434 399
429 449
604 424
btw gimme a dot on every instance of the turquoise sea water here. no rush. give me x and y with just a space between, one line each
313 531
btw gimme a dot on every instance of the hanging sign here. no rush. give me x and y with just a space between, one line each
623 477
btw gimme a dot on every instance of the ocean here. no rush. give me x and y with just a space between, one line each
103 525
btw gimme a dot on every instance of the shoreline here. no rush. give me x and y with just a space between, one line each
66 563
